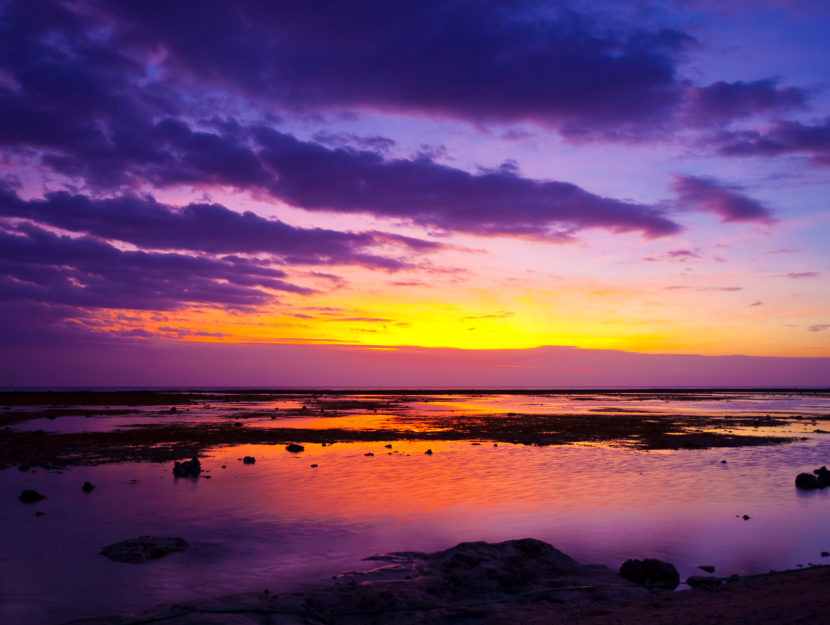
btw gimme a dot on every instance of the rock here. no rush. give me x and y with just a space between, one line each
807 481
651 573
313 466
825 554
704 582
173 409
294 448
187 468
369 454
428 452
723 461
143 548
88 487
706 567
23 467
823 476
248 460
388 446
746 517
30 496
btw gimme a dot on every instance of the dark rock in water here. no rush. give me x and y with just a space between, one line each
248 460
388 446
88 487
651 573
30 496
428 452
806 481
469 583
173 409
294 448
825 554
369 454
143 548
23 467
706 567
746 517
188 468
39 513
823 476
703 581
313 466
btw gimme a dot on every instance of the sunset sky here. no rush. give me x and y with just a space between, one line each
224 185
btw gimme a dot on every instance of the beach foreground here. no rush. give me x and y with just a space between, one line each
520 581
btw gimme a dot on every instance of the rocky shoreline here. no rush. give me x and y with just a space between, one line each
515 582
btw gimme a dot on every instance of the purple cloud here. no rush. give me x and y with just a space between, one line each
726 201
723 101
313 177
802 274
782 137
433 56
209 228
819 327
42 267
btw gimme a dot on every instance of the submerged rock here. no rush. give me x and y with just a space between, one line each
651 573
706 567
188 468
248 460
88 487
143 548
30 496
819 478
704 582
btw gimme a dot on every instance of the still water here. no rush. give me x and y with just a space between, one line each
280 523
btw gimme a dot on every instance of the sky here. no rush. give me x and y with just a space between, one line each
245 193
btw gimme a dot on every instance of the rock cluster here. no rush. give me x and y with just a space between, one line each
651 573
819 478
187 468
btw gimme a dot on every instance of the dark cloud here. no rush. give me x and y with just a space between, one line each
39 266
723 101
314 177
726 201
782 137
819 327
796 275
209 228
468 60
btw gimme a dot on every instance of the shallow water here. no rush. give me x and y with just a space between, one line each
279 523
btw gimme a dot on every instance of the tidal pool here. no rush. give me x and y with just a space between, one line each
280 523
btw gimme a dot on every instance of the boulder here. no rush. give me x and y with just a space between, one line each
651 573
143 548
88 487
30 496
294 448
704 582
807 481
188 468
248 460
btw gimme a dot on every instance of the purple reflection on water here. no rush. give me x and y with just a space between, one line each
280 523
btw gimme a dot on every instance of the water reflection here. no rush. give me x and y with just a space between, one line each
280 521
